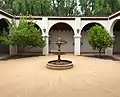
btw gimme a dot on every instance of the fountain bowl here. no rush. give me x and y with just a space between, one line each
59 65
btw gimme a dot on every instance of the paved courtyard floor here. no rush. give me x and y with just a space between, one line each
90 77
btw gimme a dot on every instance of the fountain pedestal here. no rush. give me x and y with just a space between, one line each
59 64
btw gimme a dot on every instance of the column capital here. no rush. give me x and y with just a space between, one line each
45 36
77 36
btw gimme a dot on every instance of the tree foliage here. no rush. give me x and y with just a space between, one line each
23 34
96 7
61 7
64 7
33 7
99 38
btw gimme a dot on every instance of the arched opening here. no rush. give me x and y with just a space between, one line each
65 32
116 33
29 49
85 46
4 29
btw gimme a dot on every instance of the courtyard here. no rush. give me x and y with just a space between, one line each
29 77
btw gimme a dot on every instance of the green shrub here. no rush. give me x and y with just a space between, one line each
23 34
99 38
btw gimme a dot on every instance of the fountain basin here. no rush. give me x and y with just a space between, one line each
59 65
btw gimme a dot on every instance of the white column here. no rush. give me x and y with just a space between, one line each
45 35
109 51
46 48
12 50
45 25
77 41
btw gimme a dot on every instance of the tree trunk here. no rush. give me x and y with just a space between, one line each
99 51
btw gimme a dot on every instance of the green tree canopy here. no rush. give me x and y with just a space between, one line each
23 34
61 7
99 38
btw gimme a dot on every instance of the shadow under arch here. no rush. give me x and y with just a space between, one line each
85 47
115 29
61 26
89 25
4 29
65 32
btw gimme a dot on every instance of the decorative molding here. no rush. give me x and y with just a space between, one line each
77 36
94 18
61 18
114 15
6 14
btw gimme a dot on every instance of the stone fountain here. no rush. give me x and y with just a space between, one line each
59 64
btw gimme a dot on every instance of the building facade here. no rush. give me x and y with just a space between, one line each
71 29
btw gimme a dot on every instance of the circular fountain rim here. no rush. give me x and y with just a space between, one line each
60 61
53 66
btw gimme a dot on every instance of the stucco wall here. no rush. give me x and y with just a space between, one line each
85 47
64 35
104 23
69 22
31 50
7 18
